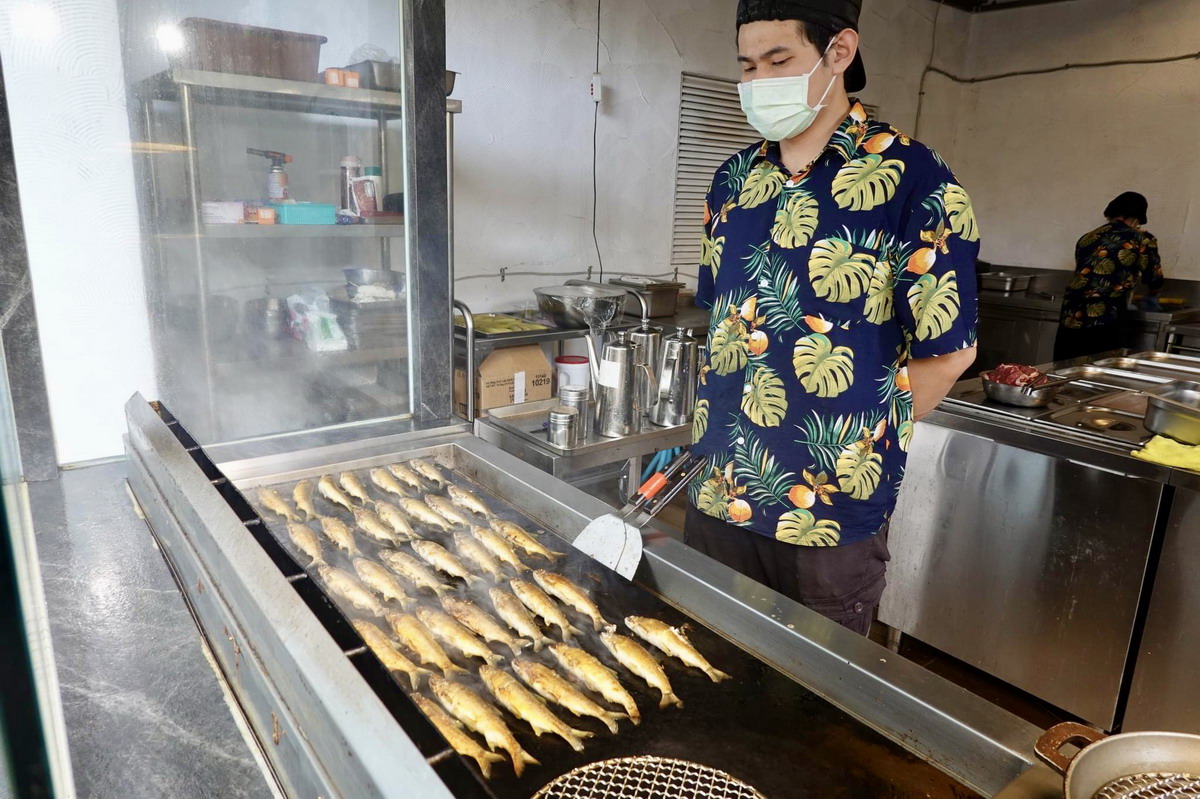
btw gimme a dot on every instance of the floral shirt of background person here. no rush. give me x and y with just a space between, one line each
823 285
1109 261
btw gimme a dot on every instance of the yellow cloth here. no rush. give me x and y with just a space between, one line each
1170 452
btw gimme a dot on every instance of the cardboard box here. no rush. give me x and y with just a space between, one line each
508 376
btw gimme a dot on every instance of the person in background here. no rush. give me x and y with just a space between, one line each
1109 262
838 262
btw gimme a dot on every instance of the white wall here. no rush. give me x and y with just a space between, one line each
1042 155
524 142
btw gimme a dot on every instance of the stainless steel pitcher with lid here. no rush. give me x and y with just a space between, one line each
675 399
614 373
648 340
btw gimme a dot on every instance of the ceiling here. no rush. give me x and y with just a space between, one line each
997 5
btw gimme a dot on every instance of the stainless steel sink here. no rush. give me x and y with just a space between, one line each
1106 423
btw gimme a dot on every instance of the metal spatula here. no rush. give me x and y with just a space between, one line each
615 539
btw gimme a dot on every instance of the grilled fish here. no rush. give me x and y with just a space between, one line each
458 738
429 471
307 542
418 639
440 558
467 501
412 570
406 475
561 588
369 522
517 536
672 641
394 518
517 617
381 581
455 635
340 534
447 510
348 587
496 544
386 481
354 487
477 553
595 675
547 682
465 705
634 657
541 605
391 657
418 511
480 622
302 496
529 707
271 500
327 489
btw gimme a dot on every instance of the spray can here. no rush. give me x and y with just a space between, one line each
277 179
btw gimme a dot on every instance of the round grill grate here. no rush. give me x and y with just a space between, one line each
1152 785
646 777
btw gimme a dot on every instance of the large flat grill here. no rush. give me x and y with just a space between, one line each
760 727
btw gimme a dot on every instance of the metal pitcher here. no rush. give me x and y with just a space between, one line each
648 340
614 378
675 400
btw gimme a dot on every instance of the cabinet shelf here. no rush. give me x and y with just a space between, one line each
227 88
289 232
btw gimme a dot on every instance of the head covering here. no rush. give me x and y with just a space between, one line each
838 14
1128 205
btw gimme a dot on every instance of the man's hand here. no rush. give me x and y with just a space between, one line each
932 378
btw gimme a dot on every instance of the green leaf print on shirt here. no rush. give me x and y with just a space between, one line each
823 369
764 399
935 304
800 527
867 182
763 183
838 272
796 221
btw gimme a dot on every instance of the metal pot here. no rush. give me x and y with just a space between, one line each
1133 764
577 306
1022 397
1174 410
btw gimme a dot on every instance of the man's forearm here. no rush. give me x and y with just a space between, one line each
932 378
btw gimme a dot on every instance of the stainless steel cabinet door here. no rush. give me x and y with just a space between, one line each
1024 565
1163 696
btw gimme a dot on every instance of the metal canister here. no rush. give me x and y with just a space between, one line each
579 397
563 428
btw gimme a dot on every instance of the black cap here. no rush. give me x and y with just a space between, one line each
1128 205
839 14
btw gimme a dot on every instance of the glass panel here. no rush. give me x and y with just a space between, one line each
239 143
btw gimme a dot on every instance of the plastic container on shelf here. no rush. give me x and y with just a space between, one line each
304 213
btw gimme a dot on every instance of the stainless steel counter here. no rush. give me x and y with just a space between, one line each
326 732
1025 542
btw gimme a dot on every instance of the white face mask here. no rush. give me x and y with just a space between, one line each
778 107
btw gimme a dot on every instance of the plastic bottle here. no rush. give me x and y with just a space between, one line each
351 168
376 176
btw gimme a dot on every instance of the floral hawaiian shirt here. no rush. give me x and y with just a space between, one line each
1109 261
822 286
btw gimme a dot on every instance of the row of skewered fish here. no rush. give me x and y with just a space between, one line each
485 545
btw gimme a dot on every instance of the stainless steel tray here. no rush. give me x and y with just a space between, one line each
1179 415
1113 377
528 420
1102 422
1171 368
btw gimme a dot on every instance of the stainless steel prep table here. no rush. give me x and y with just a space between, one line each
518 429
325 729
1027 548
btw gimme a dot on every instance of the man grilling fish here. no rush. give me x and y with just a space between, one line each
839 265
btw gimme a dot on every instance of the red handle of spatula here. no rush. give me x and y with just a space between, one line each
656 483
